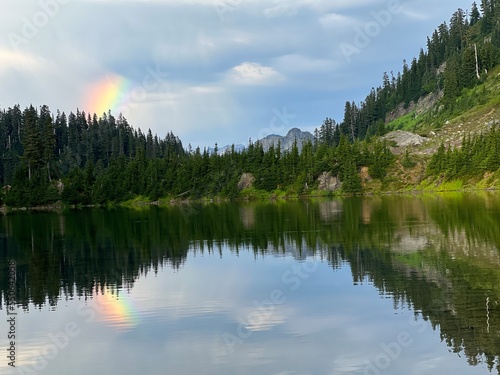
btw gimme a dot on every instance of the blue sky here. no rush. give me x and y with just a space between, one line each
210 70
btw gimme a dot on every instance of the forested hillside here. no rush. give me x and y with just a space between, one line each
448 64
86 159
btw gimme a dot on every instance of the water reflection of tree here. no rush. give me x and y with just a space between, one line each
454 281
456 304
433 253
81 252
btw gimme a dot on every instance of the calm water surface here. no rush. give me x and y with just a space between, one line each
386 285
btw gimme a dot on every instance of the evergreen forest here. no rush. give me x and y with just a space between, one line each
83 159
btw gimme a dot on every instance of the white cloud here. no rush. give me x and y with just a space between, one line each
336 20
297 63
250 73
415 15
282 8
17 60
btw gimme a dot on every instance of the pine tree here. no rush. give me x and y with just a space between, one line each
48 138
31 140
451 81
351 181
468 75
437 162
457 33
487 19
475 16
382 160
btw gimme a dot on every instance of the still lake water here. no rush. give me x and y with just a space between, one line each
379 285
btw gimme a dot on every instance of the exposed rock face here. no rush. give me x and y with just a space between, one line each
328 182
404 139
60 186
364 174
273 139
288 140
246 181
424 104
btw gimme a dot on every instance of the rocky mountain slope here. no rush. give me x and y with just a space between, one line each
287 141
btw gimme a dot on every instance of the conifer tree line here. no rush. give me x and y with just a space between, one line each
85 159
478 155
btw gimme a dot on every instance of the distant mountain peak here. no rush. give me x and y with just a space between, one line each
294 134
295 131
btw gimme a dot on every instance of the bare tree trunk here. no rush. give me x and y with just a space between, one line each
477 63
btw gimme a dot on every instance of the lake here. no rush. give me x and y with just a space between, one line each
373 285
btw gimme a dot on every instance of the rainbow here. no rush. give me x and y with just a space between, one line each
117 311
110 93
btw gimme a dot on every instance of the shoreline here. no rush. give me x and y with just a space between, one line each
264 196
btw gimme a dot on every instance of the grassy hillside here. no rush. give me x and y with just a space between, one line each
475 111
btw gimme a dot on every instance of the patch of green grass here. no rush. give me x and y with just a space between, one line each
414 260
496 176
454 185
434 186
136 201
423 185
408 122
484 183
491 181
320 193
280 194
254 194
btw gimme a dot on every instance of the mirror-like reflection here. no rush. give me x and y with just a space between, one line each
436 257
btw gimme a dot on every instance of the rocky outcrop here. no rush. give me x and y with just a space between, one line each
364 174
328 183
246 181
424 105
404 139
